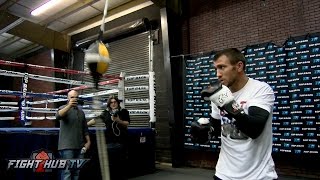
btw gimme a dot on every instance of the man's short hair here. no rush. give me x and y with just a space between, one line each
234 56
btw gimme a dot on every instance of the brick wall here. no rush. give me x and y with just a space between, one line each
215 25
219 24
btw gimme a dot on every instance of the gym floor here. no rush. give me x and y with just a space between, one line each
166 172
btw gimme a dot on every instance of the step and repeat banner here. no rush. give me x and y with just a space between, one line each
292 70
199 72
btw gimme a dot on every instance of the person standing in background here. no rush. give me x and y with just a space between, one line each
74 138
116 120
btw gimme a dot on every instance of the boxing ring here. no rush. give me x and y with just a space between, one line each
21 142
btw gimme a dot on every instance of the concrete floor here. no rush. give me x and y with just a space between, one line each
166 172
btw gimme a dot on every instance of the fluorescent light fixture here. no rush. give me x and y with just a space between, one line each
112 17
45 7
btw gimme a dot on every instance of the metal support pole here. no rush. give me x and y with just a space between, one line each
167 64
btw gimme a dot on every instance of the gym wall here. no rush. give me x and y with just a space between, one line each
75 61
163 149
215 25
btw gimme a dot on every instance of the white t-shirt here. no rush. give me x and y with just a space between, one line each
243 158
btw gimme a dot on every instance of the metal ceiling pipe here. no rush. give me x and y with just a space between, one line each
125 29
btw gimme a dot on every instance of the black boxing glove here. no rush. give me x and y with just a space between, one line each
201 131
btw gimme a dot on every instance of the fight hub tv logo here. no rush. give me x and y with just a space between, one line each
43 161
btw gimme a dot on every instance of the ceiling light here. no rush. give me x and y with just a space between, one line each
111 17
44 7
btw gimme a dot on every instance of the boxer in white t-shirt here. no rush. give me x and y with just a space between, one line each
244 106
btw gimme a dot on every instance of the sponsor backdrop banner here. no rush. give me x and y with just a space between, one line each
292 70
198 74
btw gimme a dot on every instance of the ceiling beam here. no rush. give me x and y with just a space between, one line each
25 50
11 26
36 33
175 5
6 19
114 13
10 41
67 11
7 4
159 3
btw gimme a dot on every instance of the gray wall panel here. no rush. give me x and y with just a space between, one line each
130 55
